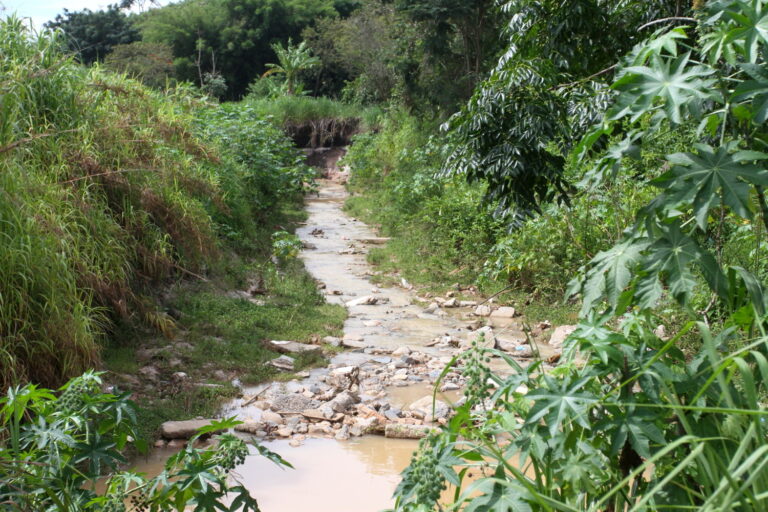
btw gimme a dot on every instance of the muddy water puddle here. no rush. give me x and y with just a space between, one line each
358 475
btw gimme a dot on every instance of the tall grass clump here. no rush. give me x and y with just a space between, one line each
108 189
314 122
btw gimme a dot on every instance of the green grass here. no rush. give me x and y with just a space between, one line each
227 334
287 110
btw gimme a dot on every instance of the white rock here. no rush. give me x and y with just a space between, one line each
451 303
483 310
271 417
424 407
366 300
560 334
402 351
504 312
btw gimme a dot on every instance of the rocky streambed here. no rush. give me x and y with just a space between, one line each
349 428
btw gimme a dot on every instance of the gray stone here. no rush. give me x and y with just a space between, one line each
392 414
451 303
424 406
343 433
343 401
332 340
293 403
483 310
326 410
182 429
285 363
292 347
504 312
402 351
284 431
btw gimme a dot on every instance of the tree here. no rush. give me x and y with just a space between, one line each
544 93
152 63
91 35
292 61
458 31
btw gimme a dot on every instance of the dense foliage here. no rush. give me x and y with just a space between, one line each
629 421
92 35
56 448
230 37
110 188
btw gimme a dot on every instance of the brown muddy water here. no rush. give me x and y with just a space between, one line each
358 475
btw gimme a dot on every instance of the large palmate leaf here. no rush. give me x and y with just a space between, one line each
755 90
637 426
718 176
610 273
497 495
749 27
673 254
673 81
558 402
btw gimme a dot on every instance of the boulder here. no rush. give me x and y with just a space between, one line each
343 401
344 377
504 312
182 429
292 403
285 363
271 417
343 433
424 407
483 310
560 334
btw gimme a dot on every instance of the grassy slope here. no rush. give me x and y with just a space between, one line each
110 193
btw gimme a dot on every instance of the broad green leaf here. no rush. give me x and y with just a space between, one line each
673 81
717 176
611 272
558 402
750 28
674 253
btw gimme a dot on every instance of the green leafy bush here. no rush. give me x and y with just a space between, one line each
57 448
628 421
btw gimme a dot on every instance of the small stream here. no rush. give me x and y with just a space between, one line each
359 474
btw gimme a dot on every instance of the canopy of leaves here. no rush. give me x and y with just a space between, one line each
542 96
91 35
232 37
152 63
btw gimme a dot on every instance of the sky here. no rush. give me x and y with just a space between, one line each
40 11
